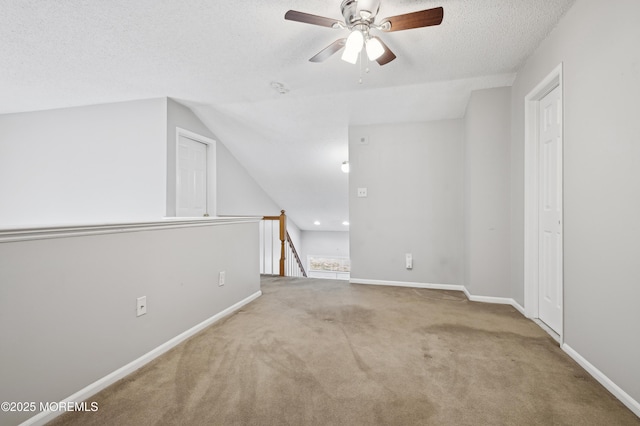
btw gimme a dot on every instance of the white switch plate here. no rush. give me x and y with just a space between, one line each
141 306
363 140
409 261
221 278
362 192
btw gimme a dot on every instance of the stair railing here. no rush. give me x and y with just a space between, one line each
289 263
294 266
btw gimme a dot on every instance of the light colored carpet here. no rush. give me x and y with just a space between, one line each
323 352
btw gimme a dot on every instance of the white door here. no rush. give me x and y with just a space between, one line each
550 211
192 178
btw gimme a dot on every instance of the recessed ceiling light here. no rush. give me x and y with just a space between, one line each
317 222
345 223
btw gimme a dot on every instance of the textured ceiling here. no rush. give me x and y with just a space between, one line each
221 57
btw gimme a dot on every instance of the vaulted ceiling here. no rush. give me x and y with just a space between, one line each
221 58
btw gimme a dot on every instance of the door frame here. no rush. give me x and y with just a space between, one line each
532 192
211 169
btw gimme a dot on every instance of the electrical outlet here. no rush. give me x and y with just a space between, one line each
221 278
408 261
362 192
141 306
363 140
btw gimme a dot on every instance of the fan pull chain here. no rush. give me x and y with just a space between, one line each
362 66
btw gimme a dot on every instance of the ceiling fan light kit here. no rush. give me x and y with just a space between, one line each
353 47
359 18
374 49
356 40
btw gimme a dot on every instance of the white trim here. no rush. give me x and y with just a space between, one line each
518 307
64 231
624 397
407 284
493 299
194 136
531 190
211 166
100 384
454 287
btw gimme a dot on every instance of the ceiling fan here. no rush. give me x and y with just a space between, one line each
359 18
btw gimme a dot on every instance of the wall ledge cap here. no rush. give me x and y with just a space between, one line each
8 235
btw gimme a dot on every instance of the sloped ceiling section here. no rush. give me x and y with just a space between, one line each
220 58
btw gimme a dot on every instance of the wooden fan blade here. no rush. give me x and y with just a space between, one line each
423 18
387 56
307 18
325 53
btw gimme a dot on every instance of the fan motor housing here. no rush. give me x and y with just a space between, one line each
359 10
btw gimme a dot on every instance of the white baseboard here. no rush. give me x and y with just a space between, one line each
455 287
518 307
407 284
492 299
624 397
95 387
487 299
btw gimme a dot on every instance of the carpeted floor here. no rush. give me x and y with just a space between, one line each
322 352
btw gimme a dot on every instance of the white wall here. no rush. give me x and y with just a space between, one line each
99 163
487 215
597 43
181 116
296 236
238 192
414 176
324 243
67 305
111 162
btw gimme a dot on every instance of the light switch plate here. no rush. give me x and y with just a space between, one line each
141 306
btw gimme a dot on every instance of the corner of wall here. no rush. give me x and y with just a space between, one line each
487 230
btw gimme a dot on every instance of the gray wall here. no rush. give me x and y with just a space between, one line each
73 299
67 305
414 176
100 163
487 215
597 42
